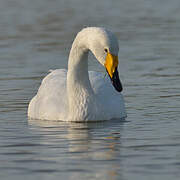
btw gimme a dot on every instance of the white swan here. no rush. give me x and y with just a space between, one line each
76 95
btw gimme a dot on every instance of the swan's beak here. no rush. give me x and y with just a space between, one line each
111 65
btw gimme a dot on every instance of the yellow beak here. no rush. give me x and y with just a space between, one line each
111 64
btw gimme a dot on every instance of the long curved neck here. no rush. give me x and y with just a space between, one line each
78 76
79 89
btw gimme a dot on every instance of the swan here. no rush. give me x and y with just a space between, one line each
78 95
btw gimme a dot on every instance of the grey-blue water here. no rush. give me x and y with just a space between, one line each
36 35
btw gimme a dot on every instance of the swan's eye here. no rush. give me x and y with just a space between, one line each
106 50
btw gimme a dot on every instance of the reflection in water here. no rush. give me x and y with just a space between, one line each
90 145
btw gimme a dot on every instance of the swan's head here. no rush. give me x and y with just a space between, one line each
104 46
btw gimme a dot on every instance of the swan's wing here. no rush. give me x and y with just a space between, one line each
51 98
111 100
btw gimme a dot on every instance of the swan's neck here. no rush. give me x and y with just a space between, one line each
78 70
80 93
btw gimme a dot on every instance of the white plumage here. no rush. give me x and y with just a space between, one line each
79 95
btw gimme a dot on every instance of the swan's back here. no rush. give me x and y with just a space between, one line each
51 99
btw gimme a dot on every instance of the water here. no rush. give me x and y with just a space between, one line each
36 36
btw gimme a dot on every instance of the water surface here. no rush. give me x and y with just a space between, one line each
36 36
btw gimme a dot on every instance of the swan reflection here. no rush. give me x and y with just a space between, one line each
90 147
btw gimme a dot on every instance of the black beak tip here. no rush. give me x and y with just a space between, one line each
116 81
118 86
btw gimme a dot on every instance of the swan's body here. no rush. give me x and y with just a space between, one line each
76 95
